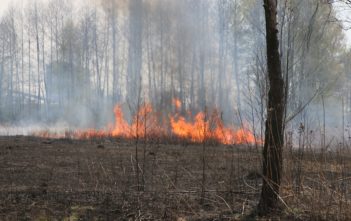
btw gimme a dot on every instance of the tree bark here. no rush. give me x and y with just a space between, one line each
274 133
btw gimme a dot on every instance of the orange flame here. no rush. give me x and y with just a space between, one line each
146 123
177 103
212 129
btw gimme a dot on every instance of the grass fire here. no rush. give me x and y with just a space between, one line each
146 123
179 110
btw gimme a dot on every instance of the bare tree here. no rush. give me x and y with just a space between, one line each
135 49
274 133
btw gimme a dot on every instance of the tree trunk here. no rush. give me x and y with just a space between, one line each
274 135
22 65
38 59
236 56
115 74
29 75
134 51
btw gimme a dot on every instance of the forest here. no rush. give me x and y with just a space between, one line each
58 59
175 110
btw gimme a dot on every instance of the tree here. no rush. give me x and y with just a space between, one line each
134 50
274 132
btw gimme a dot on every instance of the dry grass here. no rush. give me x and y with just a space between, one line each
96 180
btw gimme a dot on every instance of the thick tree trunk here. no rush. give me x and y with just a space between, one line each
274 135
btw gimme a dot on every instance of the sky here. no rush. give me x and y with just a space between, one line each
344 13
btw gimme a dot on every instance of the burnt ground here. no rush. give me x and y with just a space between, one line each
62 179
46 179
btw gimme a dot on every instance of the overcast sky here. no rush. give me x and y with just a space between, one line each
344 13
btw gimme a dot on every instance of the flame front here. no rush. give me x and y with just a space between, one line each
146 123
210 129
193 131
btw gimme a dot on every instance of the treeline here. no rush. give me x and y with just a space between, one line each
63 62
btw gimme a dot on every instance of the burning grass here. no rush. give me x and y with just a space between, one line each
146 123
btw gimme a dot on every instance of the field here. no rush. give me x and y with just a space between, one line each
102 179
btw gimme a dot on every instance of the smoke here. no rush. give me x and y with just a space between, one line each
66 65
